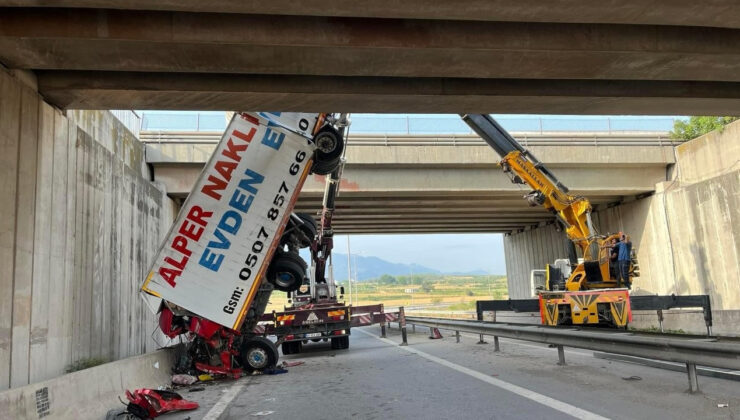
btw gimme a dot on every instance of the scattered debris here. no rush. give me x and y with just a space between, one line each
197 389
182 379
262 413
205 377
723 405
150 403
292 364
156 365
632 378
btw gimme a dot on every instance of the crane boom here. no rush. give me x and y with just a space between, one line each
574 212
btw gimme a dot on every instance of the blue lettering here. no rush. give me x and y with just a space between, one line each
272 138
241 201
230 222
211 261
254 178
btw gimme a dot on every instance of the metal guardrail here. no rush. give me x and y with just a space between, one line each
692 351
525 138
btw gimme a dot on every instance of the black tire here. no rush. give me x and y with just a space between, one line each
329 144
297 347
287 271
340 343
287 348
309 228
324 167
258 353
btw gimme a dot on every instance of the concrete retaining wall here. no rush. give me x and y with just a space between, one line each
89 393
78 224
687 234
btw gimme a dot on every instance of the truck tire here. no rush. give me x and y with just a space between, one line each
324 167
292 347
329 144
258 353
308 228
340 343
287 271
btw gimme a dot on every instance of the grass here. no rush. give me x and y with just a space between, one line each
84 364
442 292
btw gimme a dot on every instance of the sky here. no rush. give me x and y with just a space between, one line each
444 252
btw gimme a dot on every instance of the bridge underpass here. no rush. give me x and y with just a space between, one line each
453 184
437 56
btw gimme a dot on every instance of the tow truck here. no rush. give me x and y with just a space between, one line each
576 291
316 310
229 248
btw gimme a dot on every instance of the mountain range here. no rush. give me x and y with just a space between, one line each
367 268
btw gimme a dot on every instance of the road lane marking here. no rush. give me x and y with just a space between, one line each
561 406
215 412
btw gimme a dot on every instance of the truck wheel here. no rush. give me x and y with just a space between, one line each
345 342
258 353
329 144
324 167
287 271
335 343
287 348
308 228
297 347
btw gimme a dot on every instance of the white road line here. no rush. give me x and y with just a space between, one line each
215 412
524 392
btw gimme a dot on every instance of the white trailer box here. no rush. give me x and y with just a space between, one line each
215 255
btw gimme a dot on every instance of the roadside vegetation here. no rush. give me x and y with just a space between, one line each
698 126
438 292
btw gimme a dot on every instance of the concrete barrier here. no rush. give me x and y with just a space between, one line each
89 393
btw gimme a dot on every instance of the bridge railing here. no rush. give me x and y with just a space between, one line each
525 138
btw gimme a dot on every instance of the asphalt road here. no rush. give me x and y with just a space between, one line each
441 379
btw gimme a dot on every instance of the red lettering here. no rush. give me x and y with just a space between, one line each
177 264
214 188
232 151
180 244
169 275
197 215
191 230
250 118
246 137
225 169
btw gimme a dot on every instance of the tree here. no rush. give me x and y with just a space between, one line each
697 126
387 279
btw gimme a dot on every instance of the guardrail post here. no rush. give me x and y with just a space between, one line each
561 356
413 328
496 348
660 319
382 330
402 324
457 336
481 340
693 380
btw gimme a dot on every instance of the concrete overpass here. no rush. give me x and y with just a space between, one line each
558 57
452 184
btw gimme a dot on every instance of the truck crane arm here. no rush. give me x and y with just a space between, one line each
574 212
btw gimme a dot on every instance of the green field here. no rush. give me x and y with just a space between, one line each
437 291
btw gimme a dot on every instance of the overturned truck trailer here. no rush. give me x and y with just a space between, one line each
219 263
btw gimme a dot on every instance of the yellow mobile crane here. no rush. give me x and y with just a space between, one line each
583 292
